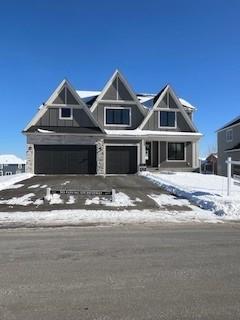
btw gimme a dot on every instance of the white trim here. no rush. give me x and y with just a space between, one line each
107 86
159 119
120 102
122 145
185 152
234 150
227 131
178 103
65 118
228 124
118 125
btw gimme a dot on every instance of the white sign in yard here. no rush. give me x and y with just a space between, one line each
229 163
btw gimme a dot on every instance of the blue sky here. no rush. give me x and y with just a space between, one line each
193 45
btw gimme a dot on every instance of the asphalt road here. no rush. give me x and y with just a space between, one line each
137 272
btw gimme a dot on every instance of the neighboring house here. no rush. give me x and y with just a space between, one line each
209 165
10 164
228 145
113 131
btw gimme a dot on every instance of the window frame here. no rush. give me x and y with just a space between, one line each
117 125
65 118
185 152
227 131
159 119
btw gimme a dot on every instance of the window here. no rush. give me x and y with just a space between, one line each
65 114
167 119
117 116
19 166
176 151
229 135
1 166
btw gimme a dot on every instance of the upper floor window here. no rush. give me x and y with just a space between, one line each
1 166
229 135
118 116
65 114
167 119
19 166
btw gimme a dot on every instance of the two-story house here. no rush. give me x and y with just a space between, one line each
228 139
11 164
113 131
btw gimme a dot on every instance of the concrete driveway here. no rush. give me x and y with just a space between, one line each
28 194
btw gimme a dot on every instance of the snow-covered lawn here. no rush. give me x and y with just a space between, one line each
206 191
78 217
8 182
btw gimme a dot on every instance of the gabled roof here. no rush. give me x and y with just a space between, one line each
50 102
116 75
159 97
230 123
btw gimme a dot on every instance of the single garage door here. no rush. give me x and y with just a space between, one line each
65 159
121 159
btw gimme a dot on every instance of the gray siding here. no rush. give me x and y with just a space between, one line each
51 119
163 157
136 116
182 125
65 97
13 168
224 145
122 94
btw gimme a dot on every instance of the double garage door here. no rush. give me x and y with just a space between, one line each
81 159
65 159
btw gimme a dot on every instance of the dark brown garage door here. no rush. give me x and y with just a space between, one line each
66 159
121 159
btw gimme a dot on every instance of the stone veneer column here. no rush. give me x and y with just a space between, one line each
100 157
30 158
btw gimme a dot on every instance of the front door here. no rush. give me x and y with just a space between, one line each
148 154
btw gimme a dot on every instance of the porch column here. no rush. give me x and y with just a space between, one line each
30 159
143 152
100 157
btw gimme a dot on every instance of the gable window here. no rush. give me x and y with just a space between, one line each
167 119
229 135
118 116
65 113
176 151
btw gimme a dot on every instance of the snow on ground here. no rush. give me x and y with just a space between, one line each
34 186
7 181
55 199
21 201
121 200
206 191
71 200
78 217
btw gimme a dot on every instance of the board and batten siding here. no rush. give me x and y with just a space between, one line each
51 119
175 164
136 116
153 123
